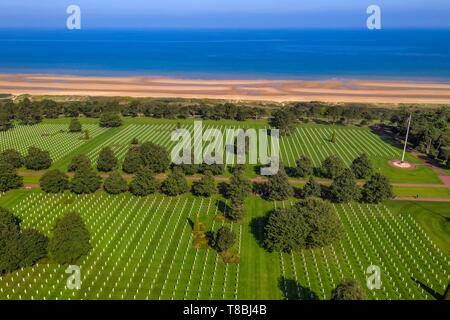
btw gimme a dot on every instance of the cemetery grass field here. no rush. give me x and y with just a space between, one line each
309 139
143 249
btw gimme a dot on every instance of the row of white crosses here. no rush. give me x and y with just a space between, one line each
350 147
205 264
385 244
413 262
184 238
384 254
113 256
123 138
192 269
47 137
216 261
432 258
236 289
405 255
107 212
168 231
148 248
438 255
367 252
146 133
147 275
139 235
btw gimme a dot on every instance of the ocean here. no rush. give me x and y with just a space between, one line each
231 54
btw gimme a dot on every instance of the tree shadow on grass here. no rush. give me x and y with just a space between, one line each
292 290
435 294
257 228
191 223
222 207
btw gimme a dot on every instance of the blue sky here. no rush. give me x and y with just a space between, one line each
225 13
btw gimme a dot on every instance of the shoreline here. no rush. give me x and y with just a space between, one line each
327 90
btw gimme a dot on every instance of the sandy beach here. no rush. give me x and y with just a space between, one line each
369 91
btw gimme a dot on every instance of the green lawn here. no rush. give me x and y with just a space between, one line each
434 219
142 249
422 192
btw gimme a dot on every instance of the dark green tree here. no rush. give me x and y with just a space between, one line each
175 184
312 188
377 189
71 239
78 162
37 159
205 187
304 167
154 157
5 121
8 177
75 126
348 290
285 231
50 109
107 161
284 120
362 167
28 112
144 183
133 161
240 186
332 167
236 209
18 249
278 187
115 184
322 221
54 181
110 120
215 169
13 157
224 239
85 181
344 188
10 251
33 247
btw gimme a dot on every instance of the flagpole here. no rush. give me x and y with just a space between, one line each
406 140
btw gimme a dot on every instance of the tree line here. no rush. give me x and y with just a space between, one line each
28 112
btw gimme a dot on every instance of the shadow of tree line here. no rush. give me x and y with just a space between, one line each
293 290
